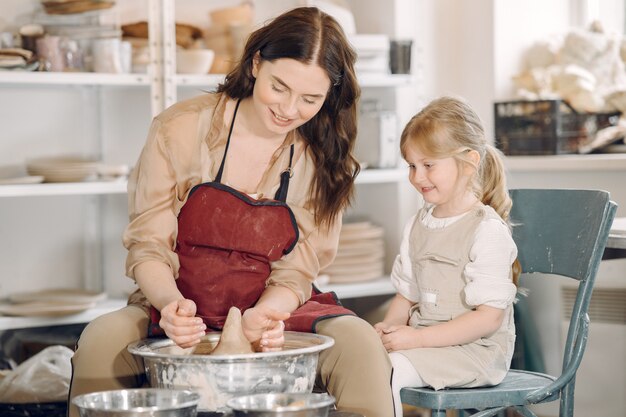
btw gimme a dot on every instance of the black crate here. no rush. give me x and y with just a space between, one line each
545 127
55 409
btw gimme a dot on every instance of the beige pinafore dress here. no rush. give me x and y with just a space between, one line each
439 257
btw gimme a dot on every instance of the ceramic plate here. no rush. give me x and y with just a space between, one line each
372 233
358 277
44 308
60 295
357 260
361 247
377 265
28 179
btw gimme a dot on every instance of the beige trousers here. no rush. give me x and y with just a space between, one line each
356 370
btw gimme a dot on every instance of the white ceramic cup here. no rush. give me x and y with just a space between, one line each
50 52
107 56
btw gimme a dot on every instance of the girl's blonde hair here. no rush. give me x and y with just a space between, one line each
449 127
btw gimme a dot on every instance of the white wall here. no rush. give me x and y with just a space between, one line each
473 48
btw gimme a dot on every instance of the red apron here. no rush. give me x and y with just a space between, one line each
226 241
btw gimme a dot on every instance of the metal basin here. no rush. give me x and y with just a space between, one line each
142 402
218 378
282 405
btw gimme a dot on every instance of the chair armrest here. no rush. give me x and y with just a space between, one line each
570 371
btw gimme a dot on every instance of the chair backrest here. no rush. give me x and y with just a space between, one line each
561 232
564 232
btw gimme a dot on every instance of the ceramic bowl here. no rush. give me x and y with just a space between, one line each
194 61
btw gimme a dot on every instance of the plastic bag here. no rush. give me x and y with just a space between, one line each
45 377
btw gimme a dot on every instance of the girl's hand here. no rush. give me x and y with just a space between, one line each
264 327
400 338
381 327
180 324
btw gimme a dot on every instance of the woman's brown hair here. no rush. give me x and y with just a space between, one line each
310 36
448 127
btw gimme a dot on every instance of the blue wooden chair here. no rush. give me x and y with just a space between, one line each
560 232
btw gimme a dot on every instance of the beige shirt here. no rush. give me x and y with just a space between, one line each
185 146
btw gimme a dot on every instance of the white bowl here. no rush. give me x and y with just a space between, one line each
194 61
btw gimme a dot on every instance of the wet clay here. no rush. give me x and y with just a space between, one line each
232 341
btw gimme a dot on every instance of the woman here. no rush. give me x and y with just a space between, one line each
237 199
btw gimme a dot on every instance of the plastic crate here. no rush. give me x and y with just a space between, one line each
55 409
545 127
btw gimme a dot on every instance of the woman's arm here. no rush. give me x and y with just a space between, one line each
150 236
290 282
178 319
315 250
157 283
263 324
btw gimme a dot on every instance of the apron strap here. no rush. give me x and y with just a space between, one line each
281 193
218 178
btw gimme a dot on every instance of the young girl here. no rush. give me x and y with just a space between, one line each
451 321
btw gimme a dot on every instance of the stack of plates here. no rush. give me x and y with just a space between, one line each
63 168
361 254
53 302
75 6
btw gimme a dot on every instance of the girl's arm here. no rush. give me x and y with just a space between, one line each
404 283
398 313
466 328
489 288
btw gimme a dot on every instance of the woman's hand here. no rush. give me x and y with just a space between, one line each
399 337
180 324
264 327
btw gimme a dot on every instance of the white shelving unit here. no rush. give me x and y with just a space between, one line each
63 189
73 78
154 89
381 286
101 308
365 80
366 176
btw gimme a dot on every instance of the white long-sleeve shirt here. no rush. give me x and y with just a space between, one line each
487 273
